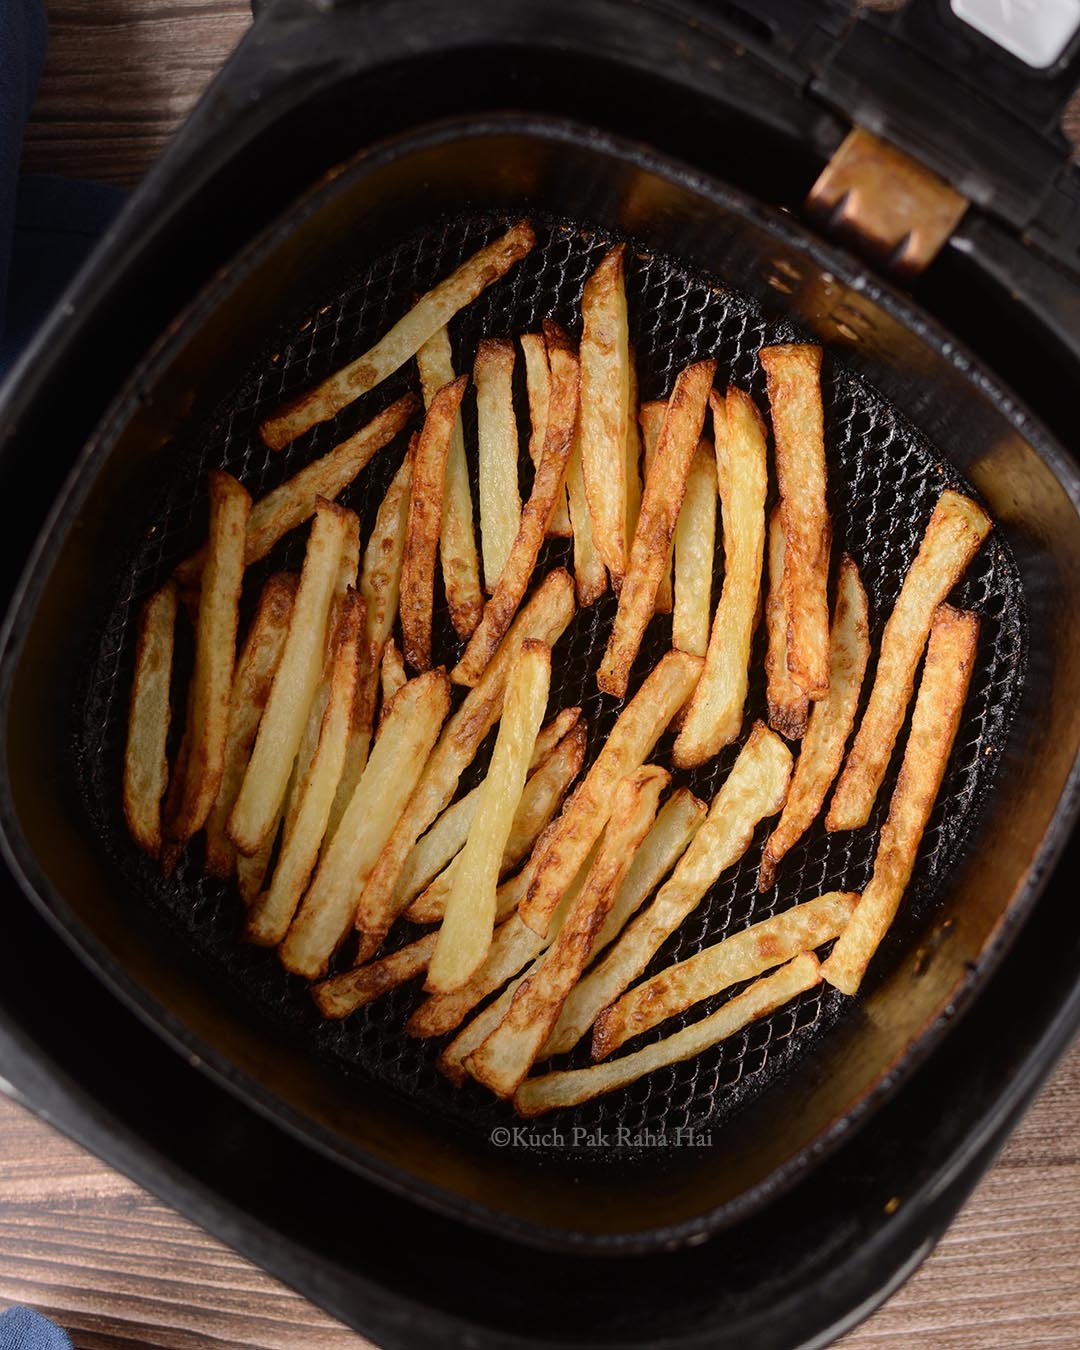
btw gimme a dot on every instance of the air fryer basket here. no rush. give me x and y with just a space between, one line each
906 415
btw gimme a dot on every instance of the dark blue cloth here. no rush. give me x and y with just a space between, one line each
23 1329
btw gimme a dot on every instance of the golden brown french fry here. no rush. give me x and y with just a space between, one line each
545 617
950 656
215 655
497 444
640 725
540 799
830 721
788 705
286 507
295 685
633 454
742 956
660 507
590 574
342 994
793 376
397 760
605 409
652 419
505 1057
424 523
252 678
714 716
518 567
146 768
349 567
392 676
764 996
694 548
457 540
755 789
469 914
273 911
403 341
676 824
538 387
954 535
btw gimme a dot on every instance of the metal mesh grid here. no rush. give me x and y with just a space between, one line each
883 481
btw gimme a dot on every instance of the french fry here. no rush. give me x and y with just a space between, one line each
538 387
545 617
452 1060
540 799
392 771
349 566
431 853
497 443
754 789
764 996
742 956
469 915
215 654
146 768
457 539
430 313
251 870
830 721
273 911
788 705
793 376
252 678
295 685
640 725
714 716
291 504
517 569
424 523
676 824
694 548
950 656
392 676
590 574
633 455
954 535
505 1057
651 418
660 507
605 409
342 994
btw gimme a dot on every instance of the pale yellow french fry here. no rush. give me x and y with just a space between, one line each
714 716
497 444
392 676
754 790
452 1060
469 915
349 567
517 568
633 456
676 824
146 768
605 408
342 994
954 535
538 387
251 869
660 508
788 705
430 313
950 657
639 727
544 617
457 540
590 574
505 1057
273 911
651 418
424 524
793 376
830 721
395 765
254 674
764 996
742 956
215 655
295 685
694 550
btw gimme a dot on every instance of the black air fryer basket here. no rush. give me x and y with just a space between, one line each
351 154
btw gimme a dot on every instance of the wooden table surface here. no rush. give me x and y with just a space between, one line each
116 1267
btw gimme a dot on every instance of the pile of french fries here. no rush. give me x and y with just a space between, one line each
322 758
